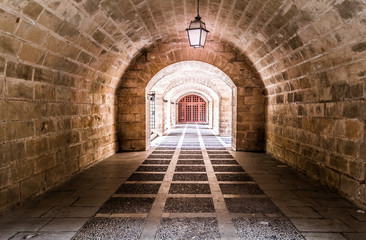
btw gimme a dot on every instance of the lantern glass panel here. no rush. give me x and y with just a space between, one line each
203 37
194 36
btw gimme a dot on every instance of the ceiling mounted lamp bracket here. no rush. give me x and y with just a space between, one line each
197 32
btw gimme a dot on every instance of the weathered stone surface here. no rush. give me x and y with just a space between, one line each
31 54
31 33
7 21
19 70
32 9
18 130
354 129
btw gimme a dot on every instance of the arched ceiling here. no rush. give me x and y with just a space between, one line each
191 71
276 35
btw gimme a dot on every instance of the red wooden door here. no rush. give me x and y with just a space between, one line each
192 108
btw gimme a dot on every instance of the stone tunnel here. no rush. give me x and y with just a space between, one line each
280 80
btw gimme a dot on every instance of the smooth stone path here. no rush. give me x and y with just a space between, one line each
190 186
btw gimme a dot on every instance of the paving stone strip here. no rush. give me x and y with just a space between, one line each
190 187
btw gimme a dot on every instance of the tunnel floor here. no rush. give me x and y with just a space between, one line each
190 186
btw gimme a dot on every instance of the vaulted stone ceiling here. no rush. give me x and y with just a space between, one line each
268 31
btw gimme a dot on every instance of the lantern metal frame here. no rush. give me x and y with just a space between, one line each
199 25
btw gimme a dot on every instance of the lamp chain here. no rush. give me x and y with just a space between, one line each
198 8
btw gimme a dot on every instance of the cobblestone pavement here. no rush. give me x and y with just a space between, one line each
190 186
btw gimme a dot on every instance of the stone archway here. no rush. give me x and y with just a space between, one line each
248 127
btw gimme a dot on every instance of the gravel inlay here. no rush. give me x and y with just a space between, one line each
146 177
188 228
217 152
191 148
220 156
165 148
251 205
158 162
152 169
233 177
231 162
162 152
138 188
111 228
126 205
191 162
228 169
189 205
215 148
189 188
190 152
190 169
266 228
189 177
243 188
190 156
160 156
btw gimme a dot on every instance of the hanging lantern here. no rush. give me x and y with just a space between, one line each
197 32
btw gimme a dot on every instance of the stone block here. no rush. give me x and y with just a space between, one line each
84 57
338 162
339 128
44 126
4 177
35 110
63 94
32 10
70 51
75 137
348 148
31 54
332 178
348 9
59 141
45 92
349 186
31 186
11 110
43 75
22 170
2 66
2 83
19 70
54 44
86 160
36 147
19 89
354 129
357 170
363 151
9 196
8 21
9 45
43 163
31 33
329 21
10 152
50 21
18 130
356 71
138 145
56 174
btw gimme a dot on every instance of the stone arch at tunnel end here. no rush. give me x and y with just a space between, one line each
249 121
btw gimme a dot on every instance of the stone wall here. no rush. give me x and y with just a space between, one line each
316 93
57 109
249 125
